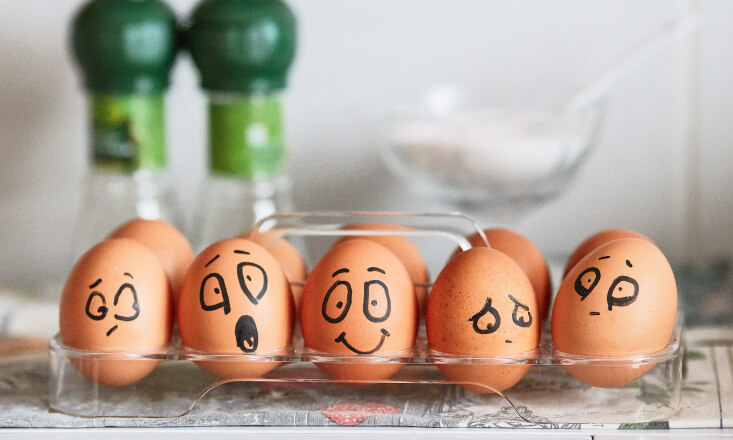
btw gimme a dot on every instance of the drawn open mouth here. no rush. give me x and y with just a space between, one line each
342 338
246 333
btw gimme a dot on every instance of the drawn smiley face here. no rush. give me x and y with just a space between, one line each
359 299
235 299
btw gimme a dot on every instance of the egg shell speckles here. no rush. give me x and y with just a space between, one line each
236 299
618 301
595 241
403 249
527 256
482 303
167 242
358 301
116 299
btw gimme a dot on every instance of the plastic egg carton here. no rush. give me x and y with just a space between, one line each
548 394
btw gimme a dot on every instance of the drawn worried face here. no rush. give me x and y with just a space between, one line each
488 320
124 305
622 291
359 299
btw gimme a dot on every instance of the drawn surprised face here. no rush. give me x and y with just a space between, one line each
623 290
488 320
124 304
214 295
375 306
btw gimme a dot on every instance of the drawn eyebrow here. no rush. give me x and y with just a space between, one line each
344 270
603 258
376 269
237 251
95 284
211 261
128 274
628 263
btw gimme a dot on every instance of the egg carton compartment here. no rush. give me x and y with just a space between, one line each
547 394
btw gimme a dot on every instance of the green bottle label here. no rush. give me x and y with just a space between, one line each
246 137
128 132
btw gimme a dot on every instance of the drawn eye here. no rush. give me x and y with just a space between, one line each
587 281
213 294
377 305
521 315
126 301
252 281
622 292
337 302
96 307
487 320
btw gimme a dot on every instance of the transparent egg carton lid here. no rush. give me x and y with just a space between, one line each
547 394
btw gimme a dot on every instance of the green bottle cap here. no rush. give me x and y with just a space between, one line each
125 46
242 46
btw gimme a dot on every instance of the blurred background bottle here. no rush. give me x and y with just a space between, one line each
125 50
243 50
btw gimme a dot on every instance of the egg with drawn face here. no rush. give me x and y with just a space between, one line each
618 301
359 301
116 300
482 304
235 299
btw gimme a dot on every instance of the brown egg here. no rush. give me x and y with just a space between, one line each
236 299
482 304
619 300
167 242
520 249
359 300
595 241
405 251
287 256
116 300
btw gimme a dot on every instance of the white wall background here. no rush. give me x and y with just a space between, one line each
357 56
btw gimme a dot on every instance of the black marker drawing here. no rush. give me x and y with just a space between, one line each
628 263
604 258
376 269
339 299
218 288
618 285
237 251
246 280
246 335
96 306
127 287
490 328
212 260
101 311
127 274
587 281
508 341
519 320
374 298
342 339
594 313
340 271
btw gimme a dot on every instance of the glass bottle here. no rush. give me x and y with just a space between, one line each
125 50
243 50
